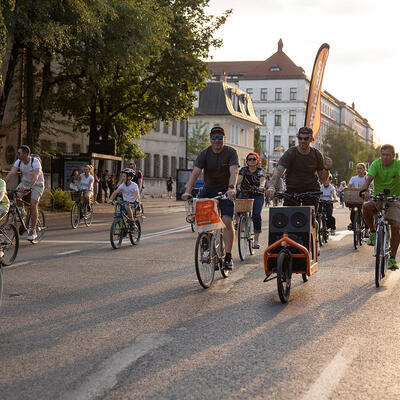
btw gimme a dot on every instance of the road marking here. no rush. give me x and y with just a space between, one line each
17 264
67 252
340 235
76 241
105 377
331 375
151 235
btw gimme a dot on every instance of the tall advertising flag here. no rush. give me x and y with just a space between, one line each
313 110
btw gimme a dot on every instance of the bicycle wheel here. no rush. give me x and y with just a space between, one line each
220 253
88 215
75 215
40 225
380 256
320 231
305 277
284 276
203 255
1 284
325 233
242 237
192 227
9 242
135 233
117 233
356 230
250 235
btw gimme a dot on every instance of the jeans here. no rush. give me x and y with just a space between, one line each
257 208
330 219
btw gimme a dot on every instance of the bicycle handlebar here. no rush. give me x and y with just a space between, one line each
298 196
383 197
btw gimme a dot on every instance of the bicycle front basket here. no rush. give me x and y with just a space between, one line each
244 205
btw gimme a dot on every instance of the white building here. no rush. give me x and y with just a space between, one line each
279 92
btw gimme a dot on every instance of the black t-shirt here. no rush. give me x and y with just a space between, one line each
301 170
251 180
216 167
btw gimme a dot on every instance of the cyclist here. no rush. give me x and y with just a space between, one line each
220 164
304 165
32 179
86 184
329 194
385 172
129 190
252 178
357 181
341 191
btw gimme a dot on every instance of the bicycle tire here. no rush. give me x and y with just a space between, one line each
40 225
283 277
320 233
356 231
325 232
203 254
88 216
75 215
305 277
134 236
242 237
250 236
116 233
1 283
379 256
192 227
220 253
9 244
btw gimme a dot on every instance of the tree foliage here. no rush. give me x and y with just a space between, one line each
343 146
199 138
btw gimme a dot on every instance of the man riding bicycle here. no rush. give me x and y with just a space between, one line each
220 164
304 165
32 179
385 172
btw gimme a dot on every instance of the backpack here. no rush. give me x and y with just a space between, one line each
33 156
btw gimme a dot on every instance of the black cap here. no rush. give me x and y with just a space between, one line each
217 129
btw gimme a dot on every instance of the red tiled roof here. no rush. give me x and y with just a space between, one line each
259 69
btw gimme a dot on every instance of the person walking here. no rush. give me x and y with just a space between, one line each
170 182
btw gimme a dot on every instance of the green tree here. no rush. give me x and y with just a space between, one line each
343 146
199 138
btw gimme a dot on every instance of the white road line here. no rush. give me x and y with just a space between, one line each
76 241
151 235
67 252
17 264
331 375
104 377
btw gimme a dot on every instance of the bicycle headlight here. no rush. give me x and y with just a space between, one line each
279 220
298 220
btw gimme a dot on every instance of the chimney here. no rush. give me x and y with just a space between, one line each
280 45
353 106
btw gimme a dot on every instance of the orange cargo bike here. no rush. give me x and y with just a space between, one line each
292 242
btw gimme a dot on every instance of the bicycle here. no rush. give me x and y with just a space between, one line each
80 210
123 225
189 206
382 241
209 253
290 253
323 233
17 215
360 228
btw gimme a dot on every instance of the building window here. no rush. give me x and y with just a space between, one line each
174 128
292 141
293 93
165 128
263 94
173 166
182 163
76 148
277 142
245 137
278 118
156 165
165 166
234 134
45 145
156 126
249 91
278 94
61 147
263 117
147 165
292 118
182 128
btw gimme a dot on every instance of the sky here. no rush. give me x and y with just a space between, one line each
364 58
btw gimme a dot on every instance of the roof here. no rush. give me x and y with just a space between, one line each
278 66
220 98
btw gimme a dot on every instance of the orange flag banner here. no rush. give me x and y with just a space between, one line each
313 110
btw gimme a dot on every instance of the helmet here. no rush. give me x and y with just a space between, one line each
129 172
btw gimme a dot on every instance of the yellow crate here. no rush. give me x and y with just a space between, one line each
244 205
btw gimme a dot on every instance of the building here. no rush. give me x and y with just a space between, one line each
279 92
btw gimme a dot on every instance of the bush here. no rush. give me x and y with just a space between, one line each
61 200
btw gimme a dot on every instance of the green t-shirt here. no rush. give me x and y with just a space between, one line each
386 177
4 202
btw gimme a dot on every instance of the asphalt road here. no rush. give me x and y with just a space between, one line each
80 320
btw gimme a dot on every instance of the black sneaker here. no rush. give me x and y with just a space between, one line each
228 263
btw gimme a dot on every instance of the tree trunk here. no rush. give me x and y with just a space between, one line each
29 93
93 134
8 80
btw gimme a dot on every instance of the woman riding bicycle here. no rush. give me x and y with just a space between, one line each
129 190
252 183
86 185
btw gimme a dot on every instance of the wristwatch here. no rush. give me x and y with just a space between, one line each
231 186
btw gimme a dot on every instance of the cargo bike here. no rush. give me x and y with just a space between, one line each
292 242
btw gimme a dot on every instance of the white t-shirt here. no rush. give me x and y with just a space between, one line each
356 181
86 183
129 193
327 192
27 170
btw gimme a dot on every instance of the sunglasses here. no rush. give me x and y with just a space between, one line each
217 137
252 159
304 138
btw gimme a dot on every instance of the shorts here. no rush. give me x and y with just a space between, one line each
392 213
226 206
2 213
37 190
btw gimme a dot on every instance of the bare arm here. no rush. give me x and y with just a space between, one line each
239 180
35 176
114 194
262 182
367 182
323 175
13 172
278 173
233 170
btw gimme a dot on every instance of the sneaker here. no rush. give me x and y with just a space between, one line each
1 253
393 264
350 226
32 235
371 239
333 232
256 245
228 264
